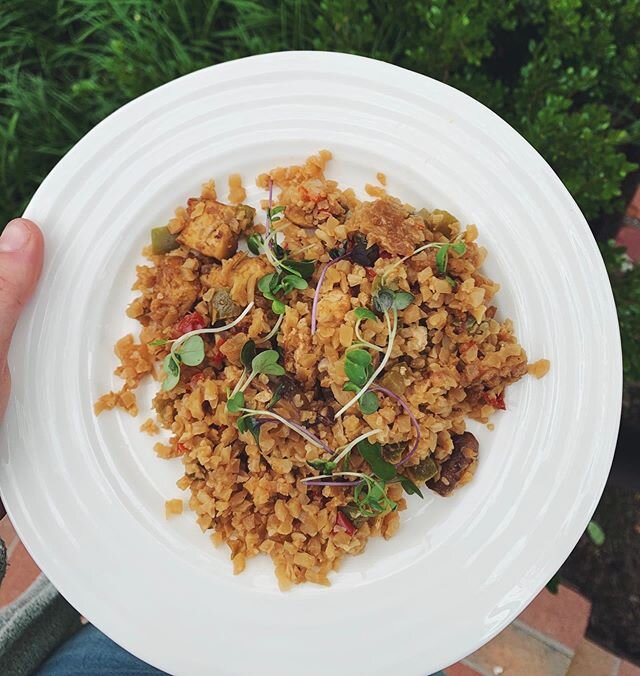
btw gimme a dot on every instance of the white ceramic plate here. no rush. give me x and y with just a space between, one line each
86 495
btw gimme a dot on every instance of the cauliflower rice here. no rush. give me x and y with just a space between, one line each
451 359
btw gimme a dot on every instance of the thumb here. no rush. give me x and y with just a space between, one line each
21 250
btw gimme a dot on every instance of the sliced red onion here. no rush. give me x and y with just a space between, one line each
414 421
316 295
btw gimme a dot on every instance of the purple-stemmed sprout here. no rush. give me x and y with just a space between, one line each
316 295
322 480
414 421
264 416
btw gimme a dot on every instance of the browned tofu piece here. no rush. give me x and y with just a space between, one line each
175 290
455 467
387 223
212 228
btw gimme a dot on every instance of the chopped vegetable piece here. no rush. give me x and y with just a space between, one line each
343 522
162 241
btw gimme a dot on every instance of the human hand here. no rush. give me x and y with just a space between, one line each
21 249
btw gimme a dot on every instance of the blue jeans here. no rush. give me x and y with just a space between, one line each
90 653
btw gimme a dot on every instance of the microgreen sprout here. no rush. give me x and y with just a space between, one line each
277 284
328 466
442 255
254 364
358 368
252 418
392 328
188 349
369 494
285 267
409 412
362 314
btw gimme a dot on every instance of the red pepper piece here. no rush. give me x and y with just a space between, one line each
343 522
193 321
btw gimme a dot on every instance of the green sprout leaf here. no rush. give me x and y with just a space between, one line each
157 342
274 212
351 387
369 403
278 307
442 257
364 313
267 362
359 357
383 300
276 396
402 300
302 269
357 374
409 487
459 248
248 353
191 352
235 403
323 466
255 243
372 453
290 282
265 284
248 423
171 367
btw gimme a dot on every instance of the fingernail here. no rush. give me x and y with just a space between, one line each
14 236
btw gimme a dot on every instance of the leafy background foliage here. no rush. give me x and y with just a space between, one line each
562 72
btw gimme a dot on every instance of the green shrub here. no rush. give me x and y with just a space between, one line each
562 72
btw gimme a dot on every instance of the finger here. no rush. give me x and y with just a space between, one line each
21 252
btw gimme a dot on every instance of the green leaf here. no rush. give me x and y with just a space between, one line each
274 212
402 300
452 281
290 282
351 387
273 370
157 342
264 360
442 258
360 357
248 423
459 248
303 269
265 285
595 533
409 487
357 374
191 352
383 300
278 307
323 466
276 396
369 403
235 403
248 353
255 243
372 453
171 367
364 313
